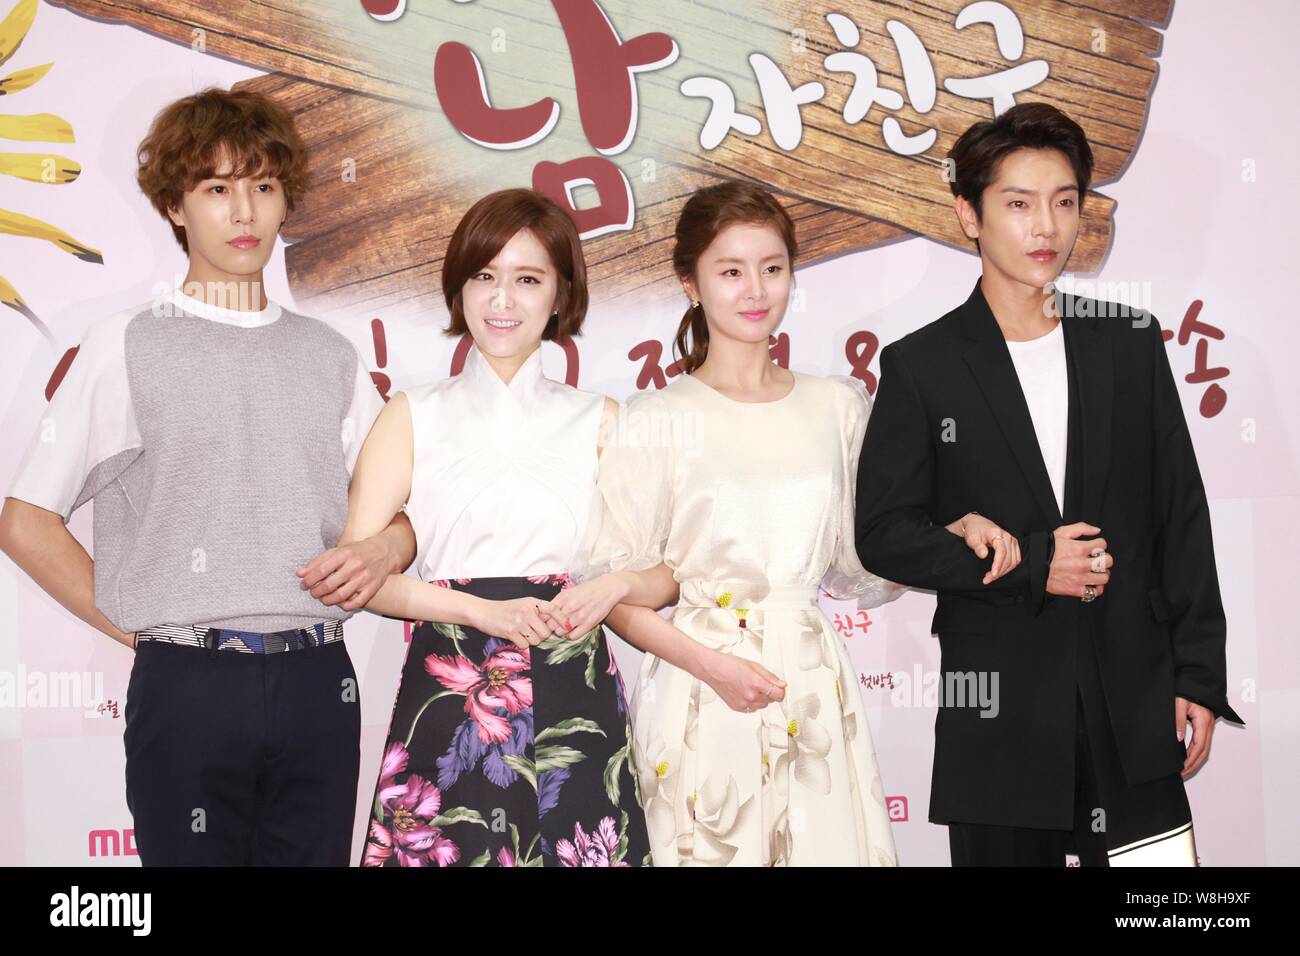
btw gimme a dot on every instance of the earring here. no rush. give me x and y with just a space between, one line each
695 303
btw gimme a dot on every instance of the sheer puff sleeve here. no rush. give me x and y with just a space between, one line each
631 510
846 579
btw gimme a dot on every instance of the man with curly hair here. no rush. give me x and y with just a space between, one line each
216 433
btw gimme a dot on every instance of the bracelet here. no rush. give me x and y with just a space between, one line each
962 523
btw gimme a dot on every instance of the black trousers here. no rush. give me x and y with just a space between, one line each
1108 813
237 759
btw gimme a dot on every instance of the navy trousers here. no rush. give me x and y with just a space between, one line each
237 759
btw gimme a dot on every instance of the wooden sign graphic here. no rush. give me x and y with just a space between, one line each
847 111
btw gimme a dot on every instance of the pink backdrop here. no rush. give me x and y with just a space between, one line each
1205 212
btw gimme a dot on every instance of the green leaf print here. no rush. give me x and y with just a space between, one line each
522 766
458 815
526 858
611 774
561 649
453 633
571 726
556 756
622 837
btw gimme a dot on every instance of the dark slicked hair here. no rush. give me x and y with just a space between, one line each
977 152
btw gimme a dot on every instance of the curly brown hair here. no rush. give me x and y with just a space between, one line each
190 138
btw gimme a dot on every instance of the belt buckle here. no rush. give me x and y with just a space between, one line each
212 640
278 642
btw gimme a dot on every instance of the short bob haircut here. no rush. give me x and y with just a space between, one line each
483 232
189 139
978 151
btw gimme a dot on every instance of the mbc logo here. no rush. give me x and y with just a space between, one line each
113 843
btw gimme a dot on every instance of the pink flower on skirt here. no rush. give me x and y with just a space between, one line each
408 808
598 849
494 683
562 579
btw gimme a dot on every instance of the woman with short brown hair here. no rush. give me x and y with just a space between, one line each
509 741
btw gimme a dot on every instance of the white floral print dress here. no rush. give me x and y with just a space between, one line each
751 505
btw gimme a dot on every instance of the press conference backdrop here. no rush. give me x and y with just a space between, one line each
619 110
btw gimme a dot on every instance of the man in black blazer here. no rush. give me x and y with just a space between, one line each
1047 429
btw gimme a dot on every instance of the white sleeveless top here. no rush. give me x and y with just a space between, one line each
504 476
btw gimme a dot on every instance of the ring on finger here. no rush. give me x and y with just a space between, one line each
1099 563
1089 594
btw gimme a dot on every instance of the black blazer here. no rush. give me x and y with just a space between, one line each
950 433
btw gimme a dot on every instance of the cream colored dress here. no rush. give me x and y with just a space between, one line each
751 505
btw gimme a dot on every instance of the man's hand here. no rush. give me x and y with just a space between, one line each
981 535
1202 721
1078 564
349 575
576 610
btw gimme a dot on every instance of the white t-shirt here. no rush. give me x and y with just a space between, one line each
1040 366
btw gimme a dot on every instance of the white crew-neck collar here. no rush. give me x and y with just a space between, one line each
246 320
1043 341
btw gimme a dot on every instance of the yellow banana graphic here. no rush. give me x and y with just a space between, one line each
9 296
41 127
39 168
15 26
21 79
16 224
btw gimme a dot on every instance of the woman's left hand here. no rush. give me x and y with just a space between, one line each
576 610
981 535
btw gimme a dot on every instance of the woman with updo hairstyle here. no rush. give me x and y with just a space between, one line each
736 481
509 738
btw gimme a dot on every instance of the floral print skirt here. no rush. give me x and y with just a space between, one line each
506 756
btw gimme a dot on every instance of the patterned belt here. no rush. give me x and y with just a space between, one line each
245 642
